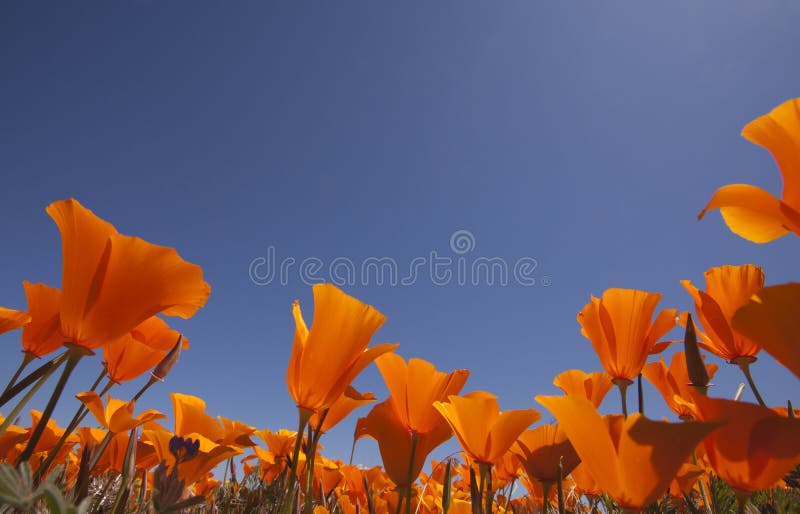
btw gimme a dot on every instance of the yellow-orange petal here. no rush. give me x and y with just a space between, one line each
779 132
12 320
42 335
85 246
141 280
588 433
750 212
191 417
593 386
94 403
506 429
651 452
770 318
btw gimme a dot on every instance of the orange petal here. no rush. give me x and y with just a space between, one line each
651 452
770 318
750 212
507 428
84 246
779 132
589 434
141 280
191 417
95 405
12 320
593 386
42 335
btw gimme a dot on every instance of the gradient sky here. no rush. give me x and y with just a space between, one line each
585 135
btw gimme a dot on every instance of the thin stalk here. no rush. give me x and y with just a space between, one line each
80 414
703 494
99 451
26 359
74 356
409 476
546 496
623 384
744 365
313 440
489 490
510 492
641 393
560 486
32 377
25 399
481 485
304 415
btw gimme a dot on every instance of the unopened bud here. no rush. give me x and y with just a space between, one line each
161 371
698 373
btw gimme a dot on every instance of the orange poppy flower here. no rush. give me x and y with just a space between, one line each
755 448
116 416
542 449
112 282
770 317
633 460
413 388
621 329
350 400
42 335
397 444
189 470
12 320
751 212
592 386
140 350
727 289
328 357
484 433
192 421
674 381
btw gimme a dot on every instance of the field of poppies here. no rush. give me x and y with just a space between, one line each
720 455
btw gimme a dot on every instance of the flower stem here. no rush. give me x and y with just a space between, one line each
303 415
560 485
623 384
26 359
641 394
744 365
32 377
14 413
73 357
410 478
80 414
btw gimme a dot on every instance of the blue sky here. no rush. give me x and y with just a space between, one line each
586 136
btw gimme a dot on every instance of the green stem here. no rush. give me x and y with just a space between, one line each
74 356
26 359
560 486
25 399
703 494
744 365
489 489
623 384
80 414
101 448
314 435
32 377
546 496
304 415
641 394
409 476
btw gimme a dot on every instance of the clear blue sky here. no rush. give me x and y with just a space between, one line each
586 135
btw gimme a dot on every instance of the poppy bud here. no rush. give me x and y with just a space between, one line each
698 374
165 366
